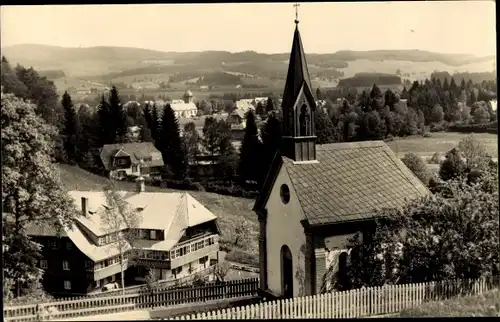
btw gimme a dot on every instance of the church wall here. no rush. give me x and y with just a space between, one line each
284 228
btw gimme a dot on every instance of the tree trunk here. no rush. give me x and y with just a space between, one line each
122 272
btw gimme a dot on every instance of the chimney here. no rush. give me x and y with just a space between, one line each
139 185
85 203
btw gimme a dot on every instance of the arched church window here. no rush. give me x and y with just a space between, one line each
305 121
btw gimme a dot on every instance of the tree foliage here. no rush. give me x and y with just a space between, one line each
453 234
418 167
31 190
71 130
170 144
249 163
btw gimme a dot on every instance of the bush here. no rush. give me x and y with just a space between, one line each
186 184
417 166
229 190
439 127
427 135
436 158
491 127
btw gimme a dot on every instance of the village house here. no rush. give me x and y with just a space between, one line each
244 105
236 117
131 159
324 193
176 237
185 108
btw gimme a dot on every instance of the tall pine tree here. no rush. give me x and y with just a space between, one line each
171 145
270 104
71 128
105 128
249 164
155 125
118 116
272 138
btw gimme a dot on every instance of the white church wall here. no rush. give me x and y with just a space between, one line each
284 228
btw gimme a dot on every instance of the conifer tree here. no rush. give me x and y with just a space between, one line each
155 124
105 128
171 145
248 167
270 105
271 143
71 129
325 131
118 117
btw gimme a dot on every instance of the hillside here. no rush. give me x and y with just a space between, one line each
133 65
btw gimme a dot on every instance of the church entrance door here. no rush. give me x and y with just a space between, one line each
286 272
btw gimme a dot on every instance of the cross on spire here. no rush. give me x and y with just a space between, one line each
296 5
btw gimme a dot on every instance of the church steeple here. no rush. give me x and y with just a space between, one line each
299 107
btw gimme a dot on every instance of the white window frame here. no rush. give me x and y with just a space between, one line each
67 285
66 266
44 264
152 234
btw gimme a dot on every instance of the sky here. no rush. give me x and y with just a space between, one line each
446 27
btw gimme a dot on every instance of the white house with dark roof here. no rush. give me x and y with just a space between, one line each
131 159
324 193
178 237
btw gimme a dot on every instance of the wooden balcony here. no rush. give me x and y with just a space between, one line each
193 256
109 270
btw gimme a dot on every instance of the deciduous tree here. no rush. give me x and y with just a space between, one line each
31 189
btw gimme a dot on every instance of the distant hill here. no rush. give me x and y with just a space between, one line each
126 64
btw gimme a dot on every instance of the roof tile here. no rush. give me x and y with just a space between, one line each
352 181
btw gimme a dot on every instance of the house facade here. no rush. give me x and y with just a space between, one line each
131 159
176 237
324 193
185 108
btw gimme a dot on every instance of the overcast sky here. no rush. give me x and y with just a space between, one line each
448 27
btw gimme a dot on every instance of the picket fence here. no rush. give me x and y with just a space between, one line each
156 298
374 301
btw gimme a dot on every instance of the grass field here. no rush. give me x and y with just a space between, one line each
440 142
486 304
229 210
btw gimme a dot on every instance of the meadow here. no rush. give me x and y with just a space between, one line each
486 304
440 142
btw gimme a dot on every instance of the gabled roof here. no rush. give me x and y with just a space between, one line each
171 212
298 72
159 209
136 151
350 182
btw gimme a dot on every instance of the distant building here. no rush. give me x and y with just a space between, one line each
236 117
204 87
244 105
186 109
178 237
83 91
131 159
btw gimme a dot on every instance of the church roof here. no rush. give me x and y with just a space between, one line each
350 182
298 73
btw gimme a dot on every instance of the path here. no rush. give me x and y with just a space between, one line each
162 312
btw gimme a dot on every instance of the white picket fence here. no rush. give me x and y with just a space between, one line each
388 299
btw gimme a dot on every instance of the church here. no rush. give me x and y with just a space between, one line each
316 197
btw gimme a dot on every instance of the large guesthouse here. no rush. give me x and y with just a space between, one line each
176 237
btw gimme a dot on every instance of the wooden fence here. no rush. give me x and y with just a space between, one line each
374 301
161 284
156 298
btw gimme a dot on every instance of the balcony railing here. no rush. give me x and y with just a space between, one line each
193 256
109 270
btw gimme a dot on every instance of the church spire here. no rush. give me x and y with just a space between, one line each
298 105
